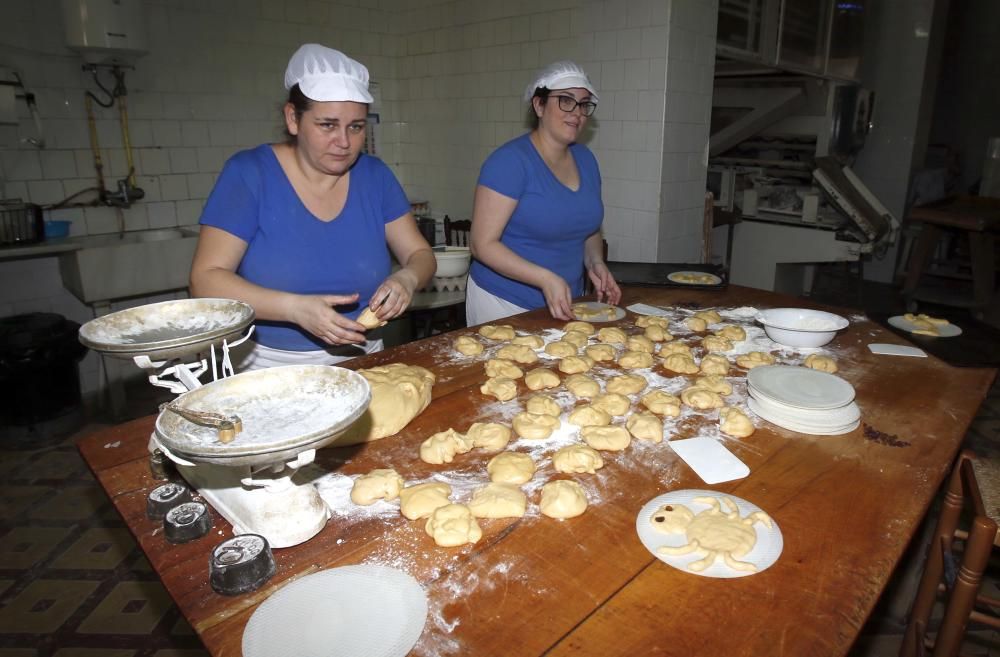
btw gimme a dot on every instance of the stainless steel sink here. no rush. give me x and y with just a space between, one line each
134 263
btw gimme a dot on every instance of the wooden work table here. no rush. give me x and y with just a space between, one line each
846 506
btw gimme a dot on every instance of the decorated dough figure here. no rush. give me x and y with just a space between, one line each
582 385
399 394
713 534
468 345
501 387
714 364
645 426
821 363
511 468
533 341
583 327
612 335
662 403
577 459
680 363
453 525
543 405
383 484
518 353
732 332
626 384
420 500
503 367
541 378
488 435
500 333
716 344
734 422
701 398
600 352
755 359
443 446
589 416
535 426
611 402
578 338
562 499
561 349
608 439
635 360
575 364
496 500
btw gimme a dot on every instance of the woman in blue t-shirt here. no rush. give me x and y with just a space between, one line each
536 222
299 230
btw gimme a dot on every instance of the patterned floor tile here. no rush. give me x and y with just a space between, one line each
14 500
130 608
55 464
71 503
98 548
44 605
23 547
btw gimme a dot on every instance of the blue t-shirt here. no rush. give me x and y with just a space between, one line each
289 249
550 222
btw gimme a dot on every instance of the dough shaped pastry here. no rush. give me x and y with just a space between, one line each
501 387
585 311
710 316
518 353
821 363
589 416
696 324
583 327
543 405
488 435
754 359
453 525
600 352
645 426
735 422
626 384
533 341
577 459
716 344
496 500
502 367
443 446
612 402
370 320
680 363
671 518
674 348
561 349
635 360
701 398
468 345
716 383
608 439
535 426
575 364
715 534
715 364
577 338
640 343
562 499
658 334
501 332
511 468
420 500
732 332
645 321
541 378
662 403
922 317
382 484
582 385
399 394
612 335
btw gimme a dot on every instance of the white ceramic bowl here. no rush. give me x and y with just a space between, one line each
452 261
801 327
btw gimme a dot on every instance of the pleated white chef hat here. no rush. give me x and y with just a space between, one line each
561 75
324 74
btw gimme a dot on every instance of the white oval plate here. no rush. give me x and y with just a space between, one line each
769 541
596 307
944 330
831 417
801 386
681 276
792 425
353 611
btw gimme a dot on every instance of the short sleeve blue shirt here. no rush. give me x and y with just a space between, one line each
550 223
290 249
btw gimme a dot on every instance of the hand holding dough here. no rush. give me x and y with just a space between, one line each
511 468
501 387
577 459
370 320
562 499
383 484
541 378
468 345
420 500
496 500
453 525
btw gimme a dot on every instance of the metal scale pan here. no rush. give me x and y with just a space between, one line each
168 330
282 410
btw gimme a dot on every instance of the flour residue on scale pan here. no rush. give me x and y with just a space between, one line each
170 320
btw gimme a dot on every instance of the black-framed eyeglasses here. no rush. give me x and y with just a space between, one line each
569 104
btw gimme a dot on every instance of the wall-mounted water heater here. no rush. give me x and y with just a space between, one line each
109 32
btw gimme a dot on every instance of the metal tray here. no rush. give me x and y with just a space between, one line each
657 274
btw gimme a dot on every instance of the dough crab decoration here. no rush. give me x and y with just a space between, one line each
712 534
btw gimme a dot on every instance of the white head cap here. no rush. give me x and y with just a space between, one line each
324 74
561 75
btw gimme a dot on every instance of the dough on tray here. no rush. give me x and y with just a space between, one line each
612 335
583 327
612 402
502 367
533 341
498 500
535 426
543 405
589 416
735 422
701 398
468 345
600 352
577 459
662 403
541 378
626 384
501 332
608 439
511 468
754 359
645 426
561 349
716 344
715 383
575 364
696 324
562 499
488 435
443 446
578 338
680 363
714 364
732 332
635 360
821 363
453 525
582 385
399 394
420 500
518 353
501 387
381 484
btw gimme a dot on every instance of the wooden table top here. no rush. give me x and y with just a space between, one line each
846 506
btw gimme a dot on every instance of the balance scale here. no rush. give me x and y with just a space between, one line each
241 439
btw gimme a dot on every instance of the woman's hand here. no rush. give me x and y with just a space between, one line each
393 296
315 314
604 283
558 296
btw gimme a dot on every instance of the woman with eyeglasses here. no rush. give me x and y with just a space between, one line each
536 219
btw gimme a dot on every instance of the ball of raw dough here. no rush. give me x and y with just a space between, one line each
511 468
453 525
715 364
662 403
608 439
645 321
626 384
821 363
600 352
501 332
732 332
658 334
370 320
701 398
496 500
612 402
443 446
562 499
639 343
588 416
575 364
645 426
582 385
518 353
754 359
543 405
680 363
500 387
674 348
577 338
696 324
612 335
468 345
715 383
535 426
716 344
634 360
735 422
710 316
488 435
577 459
583 327
381 484
561 349
399 394
503 367
420 500
533 341
541 378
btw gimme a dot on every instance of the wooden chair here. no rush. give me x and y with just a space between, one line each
456 232
956 574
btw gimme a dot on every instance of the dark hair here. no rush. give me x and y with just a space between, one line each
301 103
540 92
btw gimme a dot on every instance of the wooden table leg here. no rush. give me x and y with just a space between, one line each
983 257
920 256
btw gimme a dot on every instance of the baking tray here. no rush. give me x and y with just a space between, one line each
657 274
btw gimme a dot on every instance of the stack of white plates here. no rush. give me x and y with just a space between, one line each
803 400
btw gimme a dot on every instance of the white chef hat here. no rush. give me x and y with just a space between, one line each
561 75
324 74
